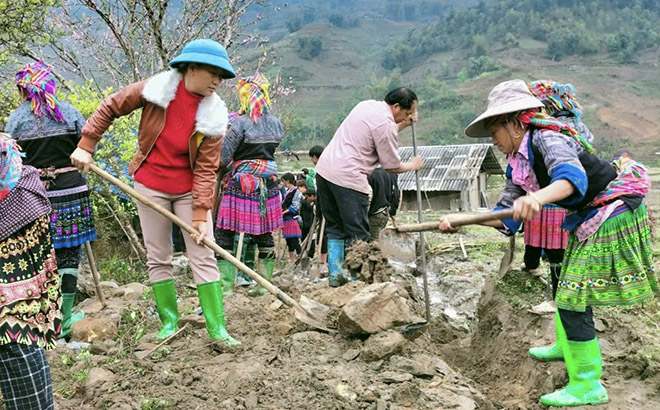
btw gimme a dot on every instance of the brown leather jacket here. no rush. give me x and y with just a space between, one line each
153 96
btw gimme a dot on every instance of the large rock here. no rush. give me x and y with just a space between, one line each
382 346
181 265
338 297
376 308
90 306
94 329
420 365
98 381
195 321
132 291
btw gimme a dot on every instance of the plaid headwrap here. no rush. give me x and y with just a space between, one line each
556 97
253 94
10 164
540 119
38 80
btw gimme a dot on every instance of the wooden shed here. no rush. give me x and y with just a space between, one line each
454 177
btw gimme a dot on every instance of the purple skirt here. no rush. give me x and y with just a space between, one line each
241 212
291 229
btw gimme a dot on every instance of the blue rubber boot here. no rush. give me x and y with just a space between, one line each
335 262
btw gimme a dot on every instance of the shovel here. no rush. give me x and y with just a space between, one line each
396 243
307 311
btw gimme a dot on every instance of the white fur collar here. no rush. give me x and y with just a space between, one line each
212 115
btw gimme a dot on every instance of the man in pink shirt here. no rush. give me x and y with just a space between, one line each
368 136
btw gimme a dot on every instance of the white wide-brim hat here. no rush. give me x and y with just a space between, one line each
507 97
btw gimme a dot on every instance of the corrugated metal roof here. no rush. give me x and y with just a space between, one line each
449 167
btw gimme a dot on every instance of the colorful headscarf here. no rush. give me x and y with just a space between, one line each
540 119
556 97
253 95
39 82
11 164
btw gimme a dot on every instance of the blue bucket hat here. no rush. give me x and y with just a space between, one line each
205 51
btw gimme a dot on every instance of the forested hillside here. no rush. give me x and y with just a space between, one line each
453 56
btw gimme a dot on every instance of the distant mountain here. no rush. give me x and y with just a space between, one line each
453 60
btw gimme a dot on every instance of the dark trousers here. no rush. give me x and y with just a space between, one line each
177 239
25 378
377 222
312 247
555 257
345 211
225 239
68 258
579 326
532 256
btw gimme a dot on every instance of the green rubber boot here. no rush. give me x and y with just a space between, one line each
167 307
584 366
227 276
554 352
210 298
68 318
265 268
249 256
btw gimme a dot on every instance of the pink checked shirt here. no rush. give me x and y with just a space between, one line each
368 136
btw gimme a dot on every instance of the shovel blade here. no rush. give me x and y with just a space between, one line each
507 258
398 245
314 314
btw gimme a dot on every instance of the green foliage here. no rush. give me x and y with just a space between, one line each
76 368
132 327
156 404
342 20
441 105
9 100
479 65
568 27
121 270
400 56
24 24
479 45
413 10
294 23
309 47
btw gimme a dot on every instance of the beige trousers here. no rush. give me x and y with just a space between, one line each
157 233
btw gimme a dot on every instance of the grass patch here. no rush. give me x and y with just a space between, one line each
522 289
75 368
156 404
122 270
132 326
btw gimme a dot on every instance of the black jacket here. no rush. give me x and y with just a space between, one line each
385 193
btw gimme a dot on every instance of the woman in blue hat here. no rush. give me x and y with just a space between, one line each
179 139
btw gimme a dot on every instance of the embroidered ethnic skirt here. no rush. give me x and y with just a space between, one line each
241 212
291 228
71 221
545 231
29 287
612 267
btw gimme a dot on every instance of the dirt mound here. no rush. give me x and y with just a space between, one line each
284 364
367 262
281 363
496 358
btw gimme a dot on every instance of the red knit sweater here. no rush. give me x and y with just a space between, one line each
167 167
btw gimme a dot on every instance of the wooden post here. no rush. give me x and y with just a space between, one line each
95 273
